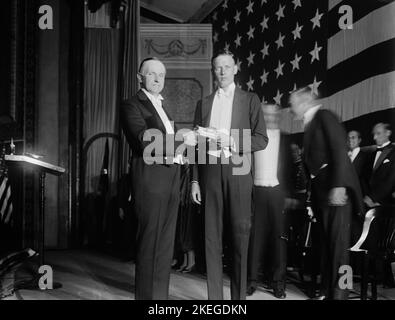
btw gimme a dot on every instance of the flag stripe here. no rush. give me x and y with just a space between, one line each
376 27
333 3
369 63
371 95
360 8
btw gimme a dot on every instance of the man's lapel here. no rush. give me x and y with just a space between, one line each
207 106
381 158
237 108
150 107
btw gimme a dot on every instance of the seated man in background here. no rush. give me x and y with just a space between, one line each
272 184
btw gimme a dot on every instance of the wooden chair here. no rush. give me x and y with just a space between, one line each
376 244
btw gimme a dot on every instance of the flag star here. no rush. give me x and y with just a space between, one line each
314 86
225 4
279 41
280 12
296 3
215 37
316 20
264 23
278 97
250 58
315 53
238 64
237 16
249 7
250 84
279 69
226 46
215 16
294 88
238 85
263 1
264 77
295 62
265 50
251 33
297 30
238 41
225 26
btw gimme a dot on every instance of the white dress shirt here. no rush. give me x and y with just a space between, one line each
221 115
353 154
221 112
378 153
266 161
157 102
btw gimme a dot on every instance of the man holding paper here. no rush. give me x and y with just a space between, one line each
223 184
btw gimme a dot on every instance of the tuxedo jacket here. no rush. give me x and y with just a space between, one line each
246 114
138 118
325 143
360 163
380 180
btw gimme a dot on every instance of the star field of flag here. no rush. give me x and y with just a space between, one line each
279 45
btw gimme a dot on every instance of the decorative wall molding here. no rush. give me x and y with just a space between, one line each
186 46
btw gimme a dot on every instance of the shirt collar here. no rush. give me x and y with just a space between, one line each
310 113
384 144
151 96
228 91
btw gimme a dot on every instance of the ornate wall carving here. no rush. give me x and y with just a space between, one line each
186 51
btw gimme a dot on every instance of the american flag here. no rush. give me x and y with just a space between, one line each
5 194
288 44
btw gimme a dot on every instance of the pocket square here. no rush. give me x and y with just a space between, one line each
386 161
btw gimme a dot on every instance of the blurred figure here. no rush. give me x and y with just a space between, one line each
272 185
335 191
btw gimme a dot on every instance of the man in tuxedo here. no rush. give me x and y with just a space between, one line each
225 191
335 190
272 186
155 180
380 169
357 156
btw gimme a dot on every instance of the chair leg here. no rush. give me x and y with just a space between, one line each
364 277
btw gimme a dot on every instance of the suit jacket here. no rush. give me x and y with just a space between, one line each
360 163
381 179
325 143
139 117
246 114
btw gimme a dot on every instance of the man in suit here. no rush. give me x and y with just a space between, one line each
357 156
272 186
335 190
224 191
155 180
380 169
358 159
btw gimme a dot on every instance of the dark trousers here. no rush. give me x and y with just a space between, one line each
226 197
268 233
334 223
157 190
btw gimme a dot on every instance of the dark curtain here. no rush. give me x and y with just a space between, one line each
129 66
